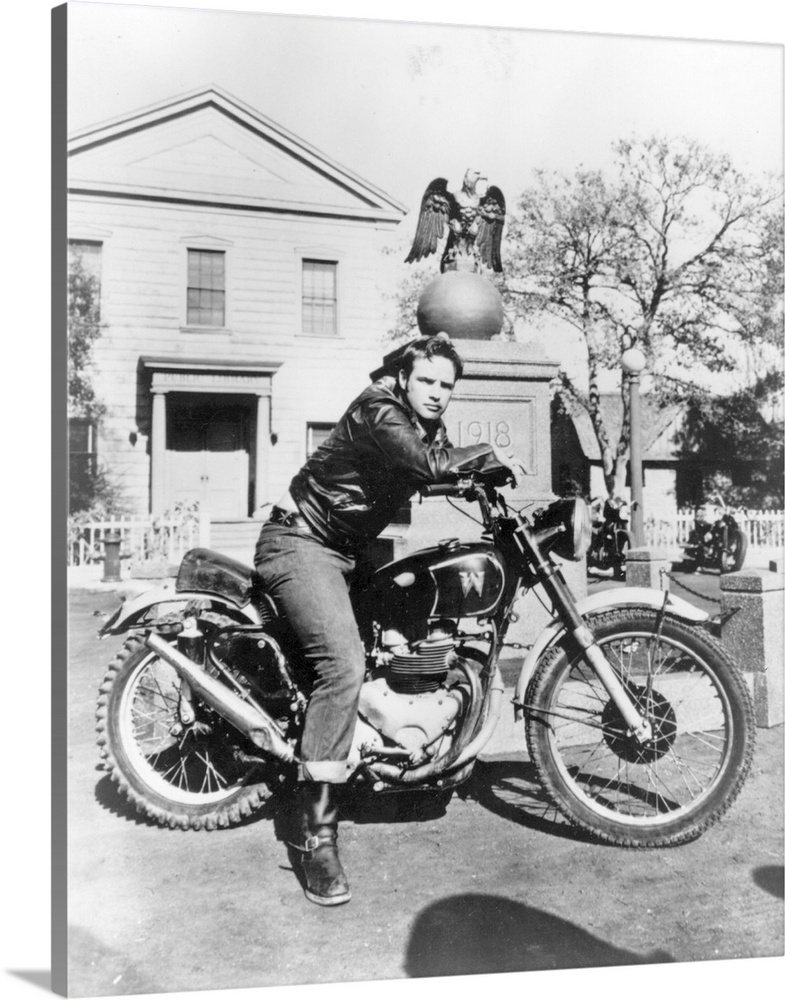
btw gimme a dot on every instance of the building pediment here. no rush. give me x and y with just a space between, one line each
209 148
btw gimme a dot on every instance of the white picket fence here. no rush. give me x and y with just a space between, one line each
765 529
146 538
142 538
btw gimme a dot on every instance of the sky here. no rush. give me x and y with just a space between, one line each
401 103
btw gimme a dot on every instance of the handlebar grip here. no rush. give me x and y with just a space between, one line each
440 490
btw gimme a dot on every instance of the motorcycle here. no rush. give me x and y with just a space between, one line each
610 537
639 725
719 545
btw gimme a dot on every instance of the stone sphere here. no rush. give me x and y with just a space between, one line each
461 303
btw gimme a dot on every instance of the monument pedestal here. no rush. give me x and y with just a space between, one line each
504 399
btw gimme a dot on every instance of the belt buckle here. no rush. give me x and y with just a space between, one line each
288 519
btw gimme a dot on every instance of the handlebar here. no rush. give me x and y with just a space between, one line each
464 482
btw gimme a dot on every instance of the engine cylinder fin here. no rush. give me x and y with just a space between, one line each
423 670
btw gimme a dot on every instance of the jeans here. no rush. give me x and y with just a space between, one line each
310 584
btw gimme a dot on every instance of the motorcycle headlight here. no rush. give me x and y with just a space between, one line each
564 527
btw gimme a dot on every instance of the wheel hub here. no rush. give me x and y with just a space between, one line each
658 711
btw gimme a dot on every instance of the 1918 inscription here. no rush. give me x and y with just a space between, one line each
499 433
496 432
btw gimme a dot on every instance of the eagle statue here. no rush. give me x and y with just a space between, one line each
473 222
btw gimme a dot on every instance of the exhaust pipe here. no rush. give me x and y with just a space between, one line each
250 720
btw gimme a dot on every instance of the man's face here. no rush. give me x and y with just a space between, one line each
429 386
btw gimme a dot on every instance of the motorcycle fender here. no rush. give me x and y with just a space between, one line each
605 600
132 610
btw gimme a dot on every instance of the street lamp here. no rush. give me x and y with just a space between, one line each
633 361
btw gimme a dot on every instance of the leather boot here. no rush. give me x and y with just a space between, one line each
316 832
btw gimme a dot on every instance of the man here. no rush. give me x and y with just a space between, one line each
390 442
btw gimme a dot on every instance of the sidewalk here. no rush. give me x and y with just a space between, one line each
755 559
90 578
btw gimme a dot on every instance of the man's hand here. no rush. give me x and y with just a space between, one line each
510 462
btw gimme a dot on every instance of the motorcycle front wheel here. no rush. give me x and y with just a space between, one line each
734 554
670 789
187 776
620 555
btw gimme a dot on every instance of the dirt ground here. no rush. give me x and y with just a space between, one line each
494 884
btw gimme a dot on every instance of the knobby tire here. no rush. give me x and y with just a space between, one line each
598 777
160 773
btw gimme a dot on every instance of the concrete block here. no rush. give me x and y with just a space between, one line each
645 566
753 634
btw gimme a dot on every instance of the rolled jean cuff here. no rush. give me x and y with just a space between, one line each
335 772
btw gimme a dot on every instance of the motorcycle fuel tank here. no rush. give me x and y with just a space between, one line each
449 580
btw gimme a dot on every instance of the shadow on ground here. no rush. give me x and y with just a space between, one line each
475 934
510 789
771 878
507 788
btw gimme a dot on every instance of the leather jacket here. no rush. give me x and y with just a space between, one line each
377 456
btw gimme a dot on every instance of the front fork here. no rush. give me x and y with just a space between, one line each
594 656
564 603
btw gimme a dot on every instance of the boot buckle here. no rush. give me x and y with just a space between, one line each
311 844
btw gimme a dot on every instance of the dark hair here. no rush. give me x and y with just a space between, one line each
439 346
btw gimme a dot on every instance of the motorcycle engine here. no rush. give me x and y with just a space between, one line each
416 666
410 707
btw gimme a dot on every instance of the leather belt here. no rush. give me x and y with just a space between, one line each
289 519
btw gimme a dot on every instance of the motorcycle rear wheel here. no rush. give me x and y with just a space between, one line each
659 794
189 779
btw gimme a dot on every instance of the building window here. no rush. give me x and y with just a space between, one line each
206 288
320 298
81 461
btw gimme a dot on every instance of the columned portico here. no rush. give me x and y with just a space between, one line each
198 388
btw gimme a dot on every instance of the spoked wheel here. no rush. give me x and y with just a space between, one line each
671 788
188 774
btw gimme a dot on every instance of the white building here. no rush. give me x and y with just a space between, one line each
240 299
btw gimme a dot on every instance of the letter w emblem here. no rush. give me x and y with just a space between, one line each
472 580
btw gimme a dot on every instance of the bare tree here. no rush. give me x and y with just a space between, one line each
677 255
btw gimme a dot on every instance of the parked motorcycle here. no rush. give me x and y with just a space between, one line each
719 545
639 725
610 537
